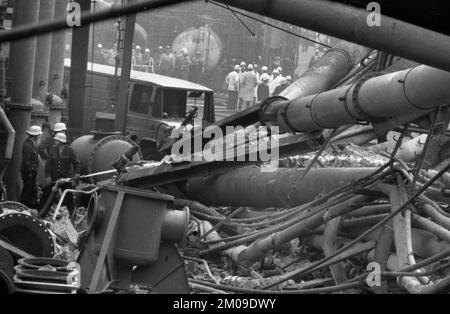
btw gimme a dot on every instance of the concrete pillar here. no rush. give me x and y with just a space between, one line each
21 70
56 73
43 51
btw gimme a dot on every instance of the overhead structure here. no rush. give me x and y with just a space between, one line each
350 23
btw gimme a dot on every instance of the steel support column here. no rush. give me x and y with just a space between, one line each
56 73
21 70
78 72
122 105
43 51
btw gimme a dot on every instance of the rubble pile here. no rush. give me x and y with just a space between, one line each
386 233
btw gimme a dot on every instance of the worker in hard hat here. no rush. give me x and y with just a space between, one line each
48 139
280 88
148 62
275 81
167 62
249 83
99 55
264 74
62 163
232 83
243 69
289 79
30 166
183 65
136 58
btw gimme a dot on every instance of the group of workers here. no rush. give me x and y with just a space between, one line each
247 86
60 160
164 61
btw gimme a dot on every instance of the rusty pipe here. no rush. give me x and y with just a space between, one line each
393 36
411 93
282 188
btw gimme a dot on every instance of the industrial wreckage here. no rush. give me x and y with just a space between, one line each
290 230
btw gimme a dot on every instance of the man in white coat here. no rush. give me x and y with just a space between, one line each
249 83
232 82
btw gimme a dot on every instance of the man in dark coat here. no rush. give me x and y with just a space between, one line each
30 166
280 88
263 90
62 163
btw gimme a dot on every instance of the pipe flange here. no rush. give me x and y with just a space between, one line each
356 88
344 100
27 233
403 82
265 105
283 114
345 53
313 117
103 142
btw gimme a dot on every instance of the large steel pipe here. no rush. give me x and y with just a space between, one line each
342 21
283 188
412 93
327 71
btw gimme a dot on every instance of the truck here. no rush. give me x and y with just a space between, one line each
156 104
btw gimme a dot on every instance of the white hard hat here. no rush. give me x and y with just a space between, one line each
100 46
250 67
184 51
60 137
237 67
138 47
59 127
276 71
264 68
34 130
147 50
243 64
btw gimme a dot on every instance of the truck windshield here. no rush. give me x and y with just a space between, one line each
177 103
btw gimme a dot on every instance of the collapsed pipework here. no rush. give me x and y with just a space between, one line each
342 217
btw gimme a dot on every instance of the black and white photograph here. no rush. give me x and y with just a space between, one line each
224 154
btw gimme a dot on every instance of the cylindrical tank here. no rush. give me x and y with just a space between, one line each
99 150
201 39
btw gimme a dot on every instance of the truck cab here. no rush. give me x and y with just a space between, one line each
155 109
156 104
